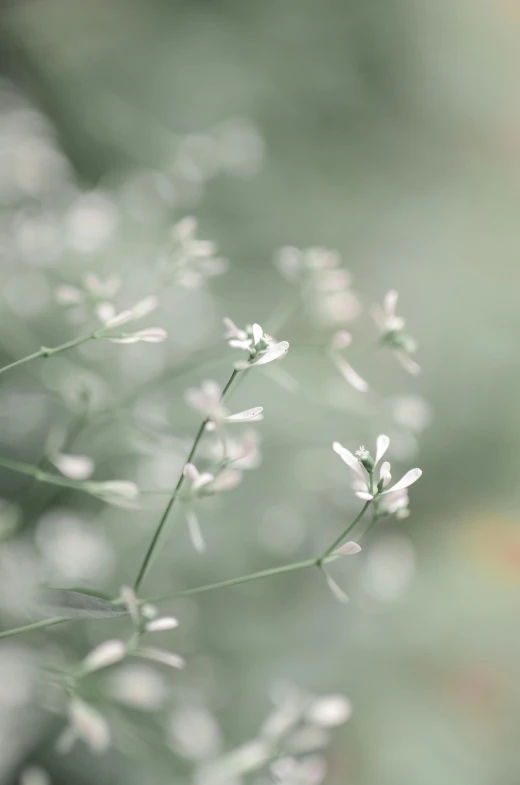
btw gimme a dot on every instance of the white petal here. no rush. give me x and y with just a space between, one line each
390 303
162 624
144 307
408 479
196 536
329 711
89 725
119 318
232 330
258 333
105 654
203 479
273 353
105 311
408 364
76 467
382 445
120 487
152 335
350 375
247 415
164 657
126 339
384 473
191 472
348 549
335 589
238 343
68 295
367 497
349 459
227 480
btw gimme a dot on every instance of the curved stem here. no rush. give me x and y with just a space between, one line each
45 351
160 526
339 540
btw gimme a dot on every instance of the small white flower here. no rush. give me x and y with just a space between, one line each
364 466
393 333
104 655
75 467
261 347
207 399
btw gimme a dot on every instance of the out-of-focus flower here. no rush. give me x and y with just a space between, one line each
194 733
87 724
138 686
342 340
364 467
95 293
207 399
412 412
324 281
139 311
262 348
329 711
189 260
104 655
393 333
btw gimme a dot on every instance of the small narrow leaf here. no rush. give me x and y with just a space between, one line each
76 605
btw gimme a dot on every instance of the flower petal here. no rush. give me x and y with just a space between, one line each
162 624
408 364
384 474
258 333
105 654
350 375
75 467
119 319
382 445
367 497
338 593
195 531
348 549
390 303
144 307
273 353
349 459
191 472
408 479
151 335
247 415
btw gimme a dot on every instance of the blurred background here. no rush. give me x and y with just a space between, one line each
389 131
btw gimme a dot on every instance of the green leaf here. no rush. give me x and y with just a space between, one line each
76 605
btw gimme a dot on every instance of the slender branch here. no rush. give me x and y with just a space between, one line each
160 526
36 625
45 351
321 559
40 476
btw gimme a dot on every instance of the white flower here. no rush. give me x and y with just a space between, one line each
393 333
207 399
107 653
75 467
138 311
188 260
261 347
364 466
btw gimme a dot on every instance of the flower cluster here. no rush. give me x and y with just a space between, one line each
393 333
85 722
261 347
369 488
326 284
188 260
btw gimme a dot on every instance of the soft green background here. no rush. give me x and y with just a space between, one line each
392 133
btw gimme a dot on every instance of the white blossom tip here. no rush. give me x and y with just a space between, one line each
349 549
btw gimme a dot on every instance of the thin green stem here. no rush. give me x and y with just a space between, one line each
46 351
342 536
173 498
39 476
36 625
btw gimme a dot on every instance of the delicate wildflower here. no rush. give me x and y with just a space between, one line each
364 465
393 333
188 260
94 293
262 348
325 283
207 399
139 311
342 340
75 467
